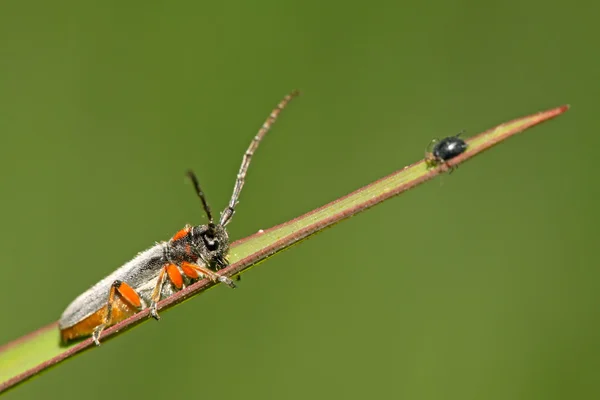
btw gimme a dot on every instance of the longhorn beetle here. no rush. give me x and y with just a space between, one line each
195 252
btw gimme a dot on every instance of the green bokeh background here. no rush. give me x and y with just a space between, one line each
479 285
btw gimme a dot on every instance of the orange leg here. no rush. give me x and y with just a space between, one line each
127 294
175 276
171 272
194 271
189 270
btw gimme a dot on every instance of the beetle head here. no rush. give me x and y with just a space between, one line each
211 243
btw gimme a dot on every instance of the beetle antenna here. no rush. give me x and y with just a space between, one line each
227 214
200 194
430 145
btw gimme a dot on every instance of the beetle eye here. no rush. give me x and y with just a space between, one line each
211 242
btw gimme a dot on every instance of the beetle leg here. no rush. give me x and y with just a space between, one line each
171 272
194 271
448 168
127 294
429 147
430 160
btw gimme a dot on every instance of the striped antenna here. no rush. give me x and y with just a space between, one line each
227 214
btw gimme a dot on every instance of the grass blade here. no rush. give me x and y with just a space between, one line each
40 350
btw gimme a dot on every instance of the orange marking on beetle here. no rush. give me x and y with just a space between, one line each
129 294
181 234
188 249
175 276
85 327
189 271
121 310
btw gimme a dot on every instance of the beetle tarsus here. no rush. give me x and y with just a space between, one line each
154 311
96 334
226 281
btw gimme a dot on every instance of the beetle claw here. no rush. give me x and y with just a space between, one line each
226 281
154 311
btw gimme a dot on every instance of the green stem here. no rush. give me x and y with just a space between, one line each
40 350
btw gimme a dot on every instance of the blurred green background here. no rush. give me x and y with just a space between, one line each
486 281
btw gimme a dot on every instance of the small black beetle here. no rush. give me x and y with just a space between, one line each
444 150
